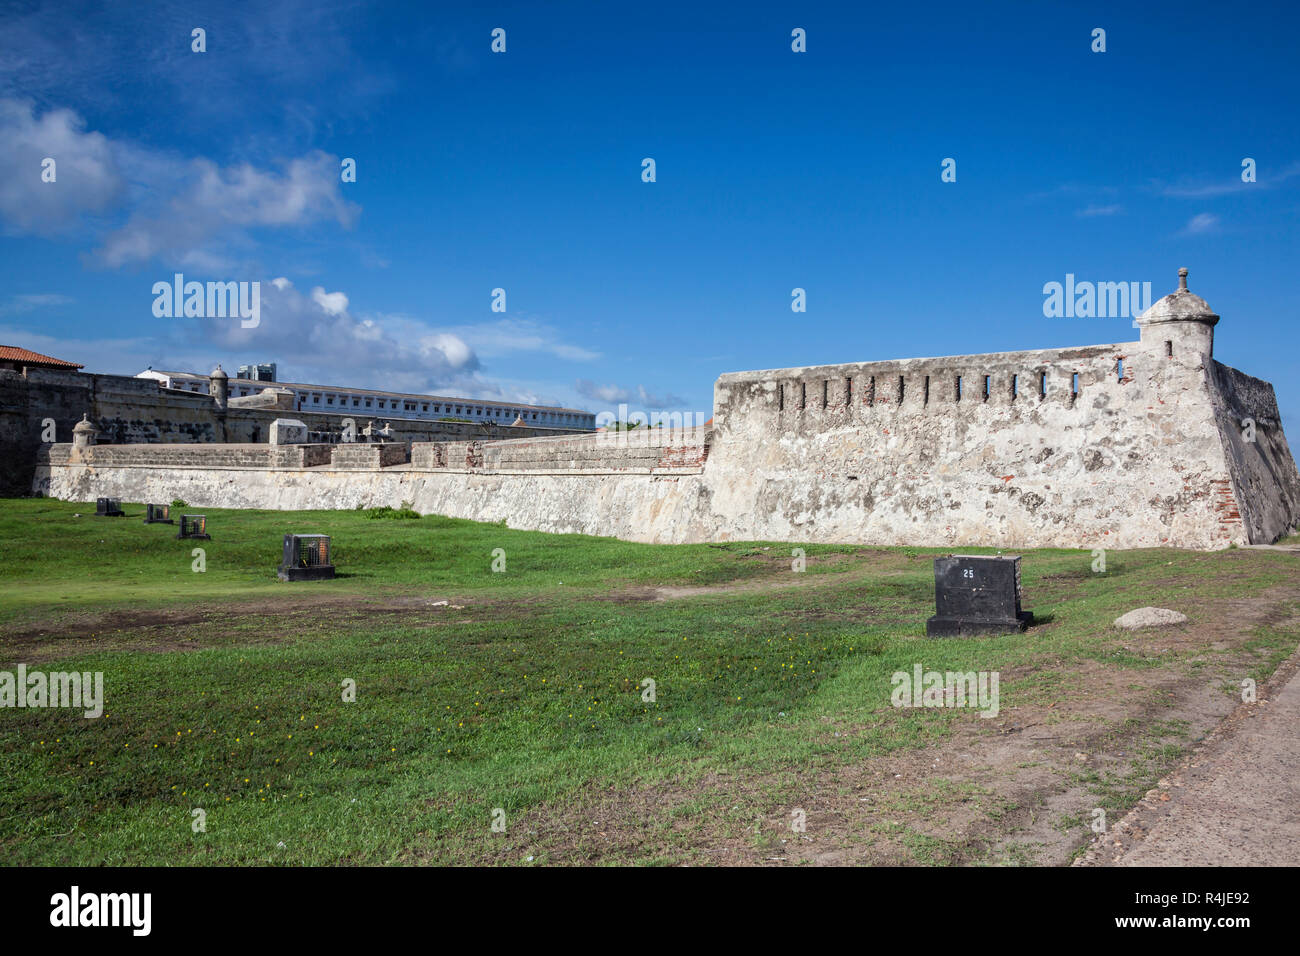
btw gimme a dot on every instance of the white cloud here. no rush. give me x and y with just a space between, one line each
609 394
1200 224
20 304
212 208
178 211
639 396
321 340
312 344
87 177
513 335
457 352
1204 190
107 54
335 303
1094 210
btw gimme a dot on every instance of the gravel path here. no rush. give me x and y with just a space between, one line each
1234 802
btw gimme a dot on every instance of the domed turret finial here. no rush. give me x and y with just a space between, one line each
84 432
219 386
1179 320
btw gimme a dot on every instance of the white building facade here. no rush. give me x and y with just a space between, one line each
400 405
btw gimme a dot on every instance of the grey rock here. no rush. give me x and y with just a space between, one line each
1149 617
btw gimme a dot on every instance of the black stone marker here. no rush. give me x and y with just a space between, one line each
977 594
158 514
194 527
108 508
306 558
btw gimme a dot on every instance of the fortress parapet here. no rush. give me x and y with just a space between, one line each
1136 444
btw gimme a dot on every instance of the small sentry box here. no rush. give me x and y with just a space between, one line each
158 514
194 527
108 508
977 594
306 558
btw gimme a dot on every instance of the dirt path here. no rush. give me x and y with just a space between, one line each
1233 802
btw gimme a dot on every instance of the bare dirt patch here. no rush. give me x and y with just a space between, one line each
196 626
67 633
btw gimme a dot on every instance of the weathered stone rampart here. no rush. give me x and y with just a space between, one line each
1106 445
128 410
240 455
1260 465
1138 444
649 451
364 457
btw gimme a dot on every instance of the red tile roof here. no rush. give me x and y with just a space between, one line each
10 353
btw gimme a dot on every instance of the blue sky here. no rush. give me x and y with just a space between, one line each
522 170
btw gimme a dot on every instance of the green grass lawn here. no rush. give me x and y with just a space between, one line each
50 558
524 692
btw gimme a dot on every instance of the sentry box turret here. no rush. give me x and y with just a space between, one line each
108 508
194 528
306 558
158 514
977 594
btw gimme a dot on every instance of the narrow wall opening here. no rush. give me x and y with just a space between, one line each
988 379
848 392
1015 386
957 396
870 398
900 390
1042 384
925 396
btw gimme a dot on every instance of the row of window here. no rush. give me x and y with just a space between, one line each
494 413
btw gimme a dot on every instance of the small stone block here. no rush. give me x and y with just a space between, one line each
194 528
306 557
977 594
108 508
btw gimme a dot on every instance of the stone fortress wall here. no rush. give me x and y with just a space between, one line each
638 488
128 410
647 452
1078 448
1139 444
